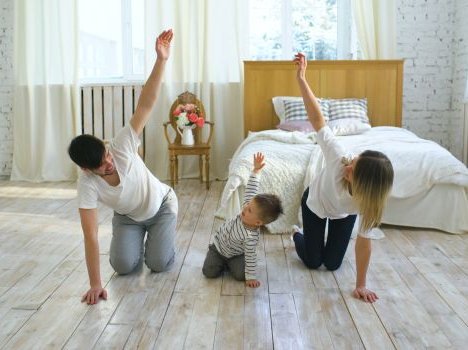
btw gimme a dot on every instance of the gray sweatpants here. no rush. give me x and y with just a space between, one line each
128 236
215 264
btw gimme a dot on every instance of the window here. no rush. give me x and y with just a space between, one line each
111 39
322 29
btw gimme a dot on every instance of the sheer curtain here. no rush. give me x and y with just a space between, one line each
46 89
206 59
376 27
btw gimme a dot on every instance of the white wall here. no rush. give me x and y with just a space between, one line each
6 86
425 32
432 38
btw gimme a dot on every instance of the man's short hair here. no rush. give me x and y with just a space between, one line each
87 151
270 207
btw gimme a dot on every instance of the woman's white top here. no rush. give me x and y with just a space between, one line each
328 197
139 194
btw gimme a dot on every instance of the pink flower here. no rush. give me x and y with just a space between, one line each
193 117
189 107
200 122
177 111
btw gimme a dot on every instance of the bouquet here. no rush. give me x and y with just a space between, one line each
188 115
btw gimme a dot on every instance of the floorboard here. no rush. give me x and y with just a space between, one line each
419 275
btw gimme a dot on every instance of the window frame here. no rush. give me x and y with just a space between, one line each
347 44
127 53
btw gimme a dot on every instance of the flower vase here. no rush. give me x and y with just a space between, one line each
187 135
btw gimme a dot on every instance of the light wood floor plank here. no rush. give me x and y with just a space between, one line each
446 319
257 321
203 321
452 296
420 276
51 326
176 322
277 267
146 330
340 325
11 322
312 321
114 337
407 322
367 322
299 274
191 279
285 323
97 317
230 325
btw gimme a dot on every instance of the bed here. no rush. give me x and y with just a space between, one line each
430 188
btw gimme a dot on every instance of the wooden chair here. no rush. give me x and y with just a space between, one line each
200 148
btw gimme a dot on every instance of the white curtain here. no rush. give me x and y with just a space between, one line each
206 59
376 27
46 89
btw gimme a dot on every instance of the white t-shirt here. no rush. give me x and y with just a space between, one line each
328 197
139 194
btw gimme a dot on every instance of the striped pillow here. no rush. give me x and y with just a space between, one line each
348 108
348 116
295 110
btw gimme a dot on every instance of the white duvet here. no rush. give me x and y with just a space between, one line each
418 164
293 157
287 155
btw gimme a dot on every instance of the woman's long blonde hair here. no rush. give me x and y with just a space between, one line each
372 182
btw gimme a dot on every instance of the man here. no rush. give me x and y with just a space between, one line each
117 177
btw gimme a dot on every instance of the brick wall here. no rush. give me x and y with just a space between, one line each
425 41
6 86
432 38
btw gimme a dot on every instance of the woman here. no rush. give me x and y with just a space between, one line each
346 186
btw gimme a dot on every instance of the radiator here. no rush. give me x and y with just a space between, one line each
105 109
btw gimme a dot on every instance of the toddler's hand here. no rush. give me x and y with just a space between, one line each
252 283
259 162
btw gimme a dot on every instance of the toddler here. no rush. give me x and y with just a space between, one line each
235 243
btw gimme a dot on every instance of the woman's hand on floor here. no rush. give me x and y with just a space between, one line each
365 294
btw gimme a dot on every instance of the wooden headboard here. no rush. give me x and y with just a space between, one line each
380 81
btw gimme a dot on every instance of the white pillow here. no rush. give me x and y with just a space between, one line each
278 105
348 126
348 116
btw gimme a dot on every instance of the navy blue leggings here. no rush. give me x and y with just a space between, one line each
311 246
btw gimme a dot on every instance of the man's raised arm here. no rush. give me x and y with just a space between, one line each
150 91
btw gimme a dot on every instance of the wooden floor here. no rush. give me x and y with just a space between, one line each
419 275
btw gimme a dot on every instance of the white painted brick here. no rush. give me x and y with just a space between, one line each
6 86
432 38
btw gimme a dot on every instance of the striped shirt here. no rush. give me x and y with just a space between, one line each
233 238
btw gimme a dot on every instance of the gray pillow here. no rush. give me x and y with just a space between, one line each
295 110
